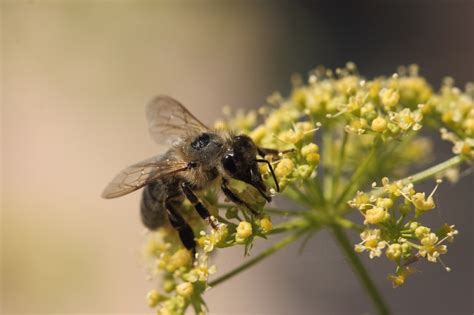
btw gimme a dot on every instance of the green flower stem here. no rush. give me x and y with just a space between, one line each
291 225
327 161
348 224
359 269
315 187
267 252
428 173
340 162
355 179
283 212
298 196
434 170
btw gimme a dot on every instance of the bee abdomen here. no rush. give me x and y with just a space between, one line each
152 209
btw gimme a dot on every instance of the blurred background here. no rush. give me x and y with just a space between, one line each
75 76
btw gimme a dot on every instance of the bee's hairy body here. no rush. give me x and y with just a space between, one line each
198 157
204 171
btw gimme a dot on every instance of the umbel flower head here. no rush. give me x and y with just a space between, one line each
393 215
336 133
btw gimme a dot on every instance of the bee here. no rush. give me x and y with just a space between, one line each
197 158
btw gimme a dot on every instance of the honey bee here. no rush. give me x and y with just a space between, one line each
197 158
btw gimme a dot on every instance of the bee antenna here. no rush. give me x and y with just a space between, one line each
271 170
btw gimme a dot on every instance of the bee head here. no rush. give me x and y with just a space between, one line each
240 163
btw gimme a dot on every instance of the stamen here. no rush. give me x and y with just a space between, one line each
438 182
444 266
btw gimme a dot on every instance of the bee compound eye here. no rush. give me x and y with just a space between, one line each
229 163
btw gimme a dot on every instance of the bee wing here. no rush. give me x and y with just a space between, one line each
169 121
138 175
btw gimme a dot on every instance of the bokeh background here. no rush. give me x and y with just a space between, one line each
75 76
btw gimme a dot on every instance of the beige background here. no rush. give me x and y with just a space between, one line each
75 77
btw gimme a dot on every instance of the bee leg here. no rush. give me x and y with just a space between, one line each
266 151
179 224
200 208
234 198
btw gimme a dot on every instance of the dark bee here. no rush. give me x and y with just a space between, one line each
197 157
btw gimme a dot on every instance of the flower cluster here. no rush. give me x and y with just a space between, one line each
185 278
392 215
326 142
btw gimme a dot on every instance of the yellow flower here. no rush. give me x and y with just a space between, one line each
386 203
309 148
421 231
185 289
394 251
375 215
389 98
431 248
371 242
244 231
182 258
422 203
379 124
284 168
153 298
266 225
401 276
292 136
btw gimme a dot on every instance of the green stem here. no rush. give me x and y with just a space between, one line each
327 162
315 188
359 270
434 170
267 252
348 224
291 225
340 162
284 212
355 179
293 193
428 173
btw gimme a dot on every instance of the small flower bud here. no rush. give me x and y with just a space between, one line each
169 285
309 148
386 203
421 231
263 168
153 298
244 230
406 248
389 98
379 124
266 225
414 225
394 251
374 215
284 168
313 158
292 136
397 280
181 258
304 171
185 289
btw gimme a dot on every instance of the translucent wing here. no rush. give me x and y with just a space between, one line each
169 121
138 175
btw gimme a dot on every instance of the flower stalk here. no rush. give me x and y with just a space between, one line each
266 253
359 270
